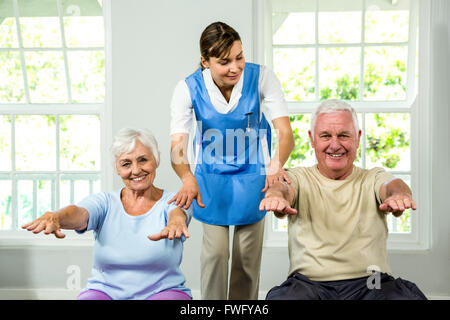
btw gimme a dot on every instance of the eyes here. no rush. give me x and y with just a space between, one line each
341 136
126 164
224 62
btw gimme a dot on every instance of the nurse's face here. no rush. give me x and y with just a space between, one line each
226 71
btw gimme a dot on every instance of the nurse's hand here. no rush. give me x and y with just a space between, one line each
277 175
188 192
176 227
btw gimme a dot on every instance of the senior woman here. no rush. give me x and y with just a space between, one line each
139 236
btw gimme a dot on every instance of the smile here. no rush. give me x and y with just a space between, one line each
336 155
139 178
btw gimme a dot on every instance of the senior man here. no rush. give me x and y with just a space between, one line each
337 218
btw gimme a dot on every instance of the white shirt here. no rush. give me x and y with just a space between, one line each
270 93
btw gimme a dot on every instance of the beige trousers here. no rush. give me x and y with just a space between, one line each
245 262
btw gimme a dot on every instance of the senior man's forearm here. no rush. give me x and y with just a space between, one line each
395 186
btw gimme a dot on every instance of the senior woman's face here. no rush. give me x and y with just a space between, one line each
137 168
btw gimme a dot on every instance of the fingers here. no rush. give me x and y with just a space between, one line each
266 186
199 200
170 232
277 205
397 205
172 199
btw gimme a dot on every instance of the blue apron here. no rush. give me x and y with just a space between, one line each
230 168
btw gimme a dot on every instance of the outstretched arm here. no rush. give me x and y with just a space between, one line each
279 198
70 217
396 197
176 226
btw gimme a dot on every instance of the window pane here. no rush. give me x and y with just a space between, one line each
8 30
46 77
11 79
5 143
303 153
385 22
79 142
87 74
35 142
295 70
385 73
293 28
44 197
339 73
81 190
5 205
340 21
25 201
84 31
65 193
73 188
39 24
388 141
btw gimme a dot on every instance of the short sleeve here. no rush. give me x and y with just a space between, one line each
381 177
97 207
272 94
181 109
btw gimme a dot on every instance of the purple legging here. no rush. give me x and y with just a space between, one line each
163 295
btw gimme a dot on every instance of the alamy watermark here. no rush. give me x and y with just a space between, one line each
374 280
230 146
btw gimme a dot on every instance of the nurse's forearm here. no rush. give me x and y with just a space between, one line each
178 156
286 142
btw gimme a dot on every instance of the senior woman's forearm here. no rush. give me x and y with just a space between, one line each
73 218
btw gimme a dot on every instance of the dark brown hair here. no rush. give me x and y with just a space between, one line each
217 39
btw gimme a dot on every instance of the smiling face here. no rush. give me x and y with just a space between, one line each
335 143
226 71
137 168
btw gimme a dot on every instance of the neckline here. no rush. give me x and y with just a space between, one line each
349 177
141 215
216 88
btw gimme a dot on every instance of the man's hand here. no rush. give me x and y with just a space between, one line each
277 204
398 203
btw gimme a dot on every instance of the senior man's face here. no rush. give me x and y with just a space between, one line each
137 168
335 144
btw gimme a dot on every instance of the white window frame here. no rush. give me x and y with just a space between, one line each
418 106
20 238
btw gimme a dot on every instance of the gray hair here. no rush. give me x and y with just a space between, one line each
331 106
125 141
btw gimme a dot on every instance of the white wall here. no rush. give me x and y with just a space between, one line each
154 45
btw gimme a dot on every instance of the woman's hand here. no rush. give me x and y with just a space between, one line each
48 222
188 192
176 227
275 175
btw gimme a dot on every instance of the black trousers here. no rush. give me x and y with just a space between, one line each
299 287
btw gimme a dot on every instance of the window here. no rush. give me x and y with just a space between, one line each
365 52
52 106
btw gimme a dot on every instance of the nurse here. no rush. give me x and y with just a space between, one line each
233 166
